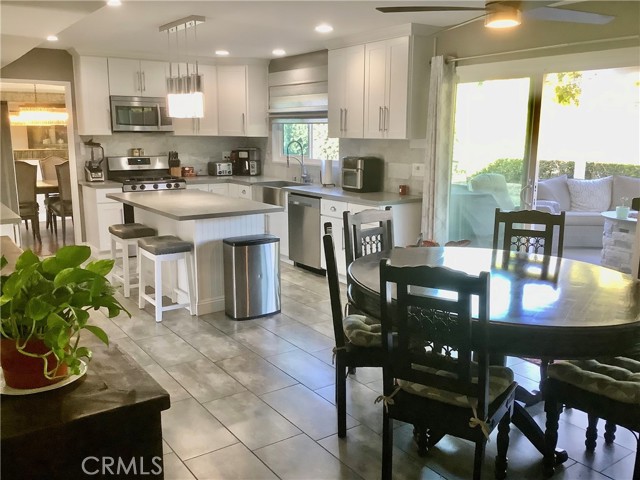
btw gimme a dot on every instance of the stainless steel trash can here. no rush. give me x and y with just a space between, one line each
251 276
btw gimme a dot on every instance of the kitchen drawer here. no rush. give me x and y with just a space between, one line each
358 207
332 208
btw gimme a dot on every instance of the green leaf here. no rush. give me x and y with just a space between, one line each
73 255
3 262
51 265
37 309
83 352
81 316
98 332
100 267
26 259
73 275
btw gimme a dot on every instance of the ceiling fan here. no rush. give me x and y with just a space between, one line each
508 13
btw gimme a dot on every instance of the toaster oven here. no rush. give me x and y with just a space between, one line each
219 169
362 174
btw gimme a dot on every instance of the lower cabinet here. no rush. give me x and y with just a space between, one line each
278 224
99 214
238 190
219 188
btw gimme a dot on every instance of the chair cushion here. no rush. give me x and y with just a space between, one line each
590 195
362 331
555 189
164 245
132 230
500 378
28 209
617 378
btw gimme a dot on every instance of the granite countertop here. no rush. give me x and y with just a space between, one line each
198 180
336 193
192 204
8 216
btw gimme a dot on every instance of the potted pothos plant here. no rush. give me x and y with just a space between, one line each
44 307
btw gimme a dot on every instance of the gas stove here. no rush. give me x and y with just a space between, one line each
151 184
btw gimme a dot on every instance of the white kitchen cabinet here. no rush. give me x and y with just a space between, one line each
142 78
395 88
100 213
242 100
91 75
278 224
238 190
208 125
219 188
346 92
198 186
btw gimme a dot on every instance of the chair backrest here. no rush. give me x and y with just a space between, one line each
367 232
434 308
64 181
530 238
48 166
26 178
334 285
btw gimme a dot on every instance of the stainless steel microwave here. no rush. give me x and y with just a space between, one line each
140 114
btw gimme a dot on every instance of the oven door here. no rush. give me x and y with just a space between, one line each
352 179
139 114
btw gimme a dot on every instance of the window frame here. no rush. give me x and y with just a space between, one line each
277 138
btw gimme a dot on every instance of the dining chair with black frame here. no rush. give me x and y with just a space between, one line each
362 349
62 206
26 179
429 377
367 232
48 172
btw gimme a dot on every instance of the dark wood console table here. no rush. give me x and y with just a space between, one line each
112 413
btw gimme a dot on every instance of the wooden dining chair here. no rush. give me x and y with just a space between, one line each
62 206
367 232
26 179
48 173
357 337
604 388
429 378
529 231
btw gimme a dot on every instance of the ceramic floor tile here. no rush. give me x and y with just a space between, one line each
262 341
304 337
256 374
307 410
231 463
140 325
215 346
621 469
190 430
304 295
251 420
111 329
181 323
169 350
527 369
174 469
305 368
132 348
228 325
204 380
284 458
303 313
166 381
166 448
360 404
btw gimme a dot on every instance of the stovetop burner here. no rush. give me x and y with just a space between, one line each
142 184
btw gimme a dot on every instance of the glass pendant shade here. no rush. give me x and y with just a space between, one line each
39 116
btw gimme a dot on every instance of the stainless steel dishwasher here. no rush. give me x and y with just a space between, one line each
304 230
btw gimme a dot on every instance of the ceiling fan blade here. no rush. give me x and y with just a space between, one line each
427 9
561 15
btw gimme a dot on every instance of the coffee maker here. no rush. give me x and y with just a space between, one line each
93 168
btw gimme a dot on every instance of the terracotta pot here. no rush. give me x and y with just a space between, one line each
22 371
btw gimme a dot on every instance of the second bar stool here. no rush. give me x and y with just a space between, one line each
161 249
126 235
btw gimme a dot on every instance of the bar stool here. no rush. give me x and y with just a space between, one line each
125 235
165 248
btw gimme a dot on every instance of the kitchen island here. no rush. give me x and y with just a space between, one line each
204 219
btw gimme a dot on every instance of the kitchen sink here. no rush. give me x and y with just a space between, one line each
271 192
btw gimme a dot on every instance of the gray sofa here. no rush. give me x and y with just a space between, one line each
584 201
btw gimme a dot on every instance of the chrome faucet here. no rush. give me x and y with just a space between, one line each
304 175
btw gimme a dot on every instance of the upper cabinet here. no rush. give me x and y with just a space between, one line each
390 78
208 125
242 100
137 78
346 92
92 95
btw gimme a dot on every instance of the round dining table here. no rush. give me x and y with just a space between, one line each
540 306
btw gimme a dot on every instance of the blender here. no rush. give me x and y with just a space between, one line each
93 168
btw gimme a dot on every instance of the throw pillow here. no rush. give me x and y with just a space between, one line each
624 187
555 189
590 195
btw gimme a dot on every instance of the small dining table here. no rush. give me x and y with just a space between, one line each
540 306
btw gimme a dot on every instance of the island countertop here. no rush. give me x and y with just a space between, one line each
192 204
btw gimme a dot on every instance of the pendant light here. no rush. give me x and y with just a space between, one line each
38 115
185 96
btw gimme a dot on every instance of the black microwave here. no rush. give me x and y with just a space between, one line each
362 174
140 114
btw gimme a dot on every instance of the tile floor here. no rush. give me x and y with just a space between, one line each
254 400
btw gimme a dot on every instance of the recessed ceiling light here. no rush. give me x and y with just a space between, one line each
279 52
222 53
114 3
324 28
52 38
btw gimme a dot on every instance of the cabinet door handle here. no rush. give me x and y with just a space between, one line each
138 82
379 119
386 118
345 120
244 128
144 82
341 124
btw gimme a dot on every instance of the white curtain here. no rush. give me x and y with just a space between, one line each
437 174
